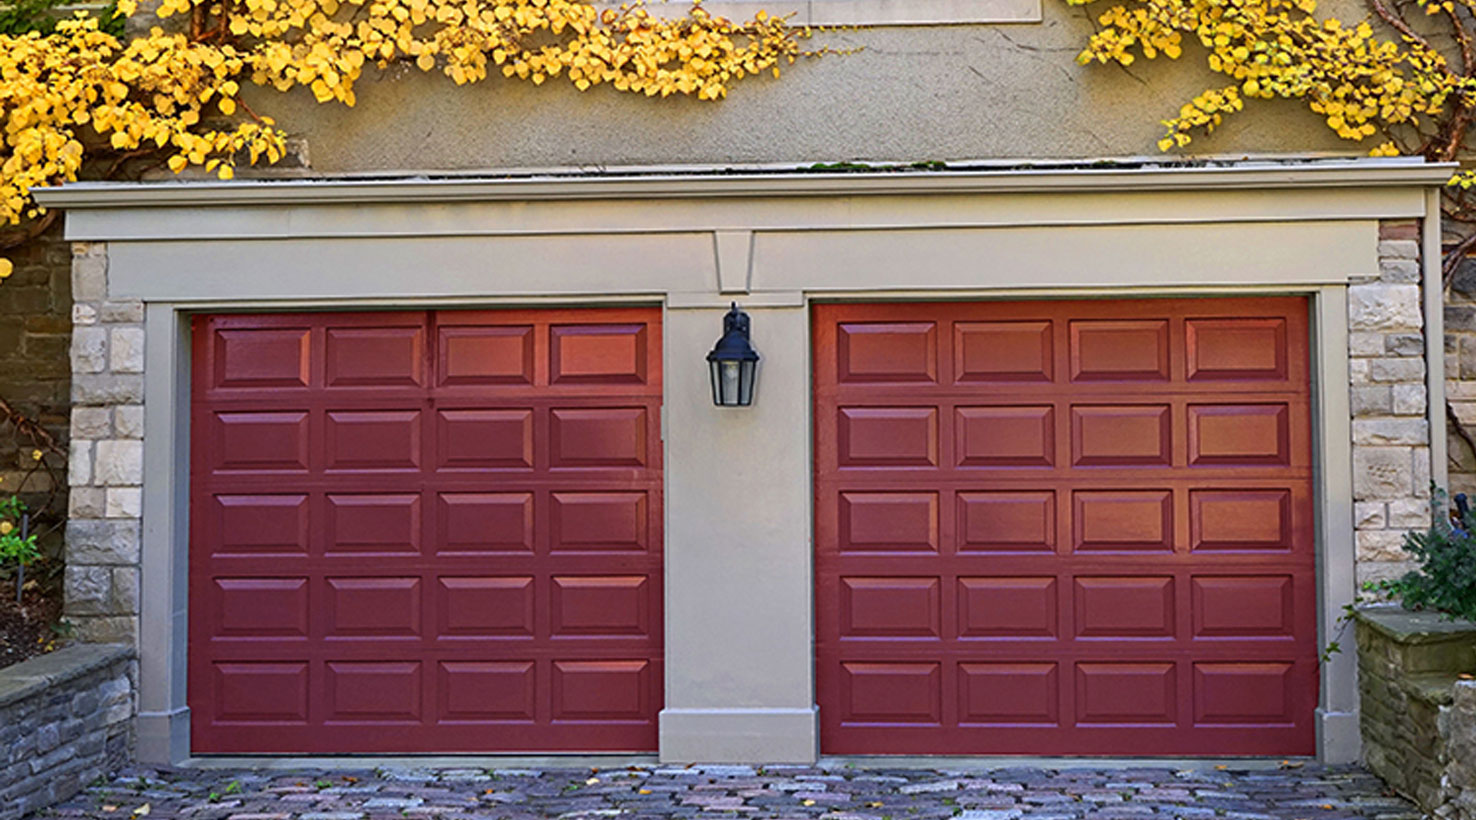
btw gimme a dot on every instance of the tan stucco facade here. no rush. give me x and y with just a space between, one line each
738 578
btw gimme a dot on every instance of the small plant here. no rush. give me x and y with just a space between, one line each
17 544
1445 580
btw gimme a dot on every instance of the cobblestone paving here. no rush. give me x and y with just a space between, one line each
826 792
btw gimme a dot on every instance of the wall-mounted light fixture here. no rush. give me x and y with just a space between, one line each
734 363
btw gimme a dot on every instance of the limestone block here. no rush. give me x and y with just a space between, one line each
1409 399
89 350
91 422
129 420
102 542
89 272
126 349
79 462
89 590
1381 306
86 502
1396 370
1381 545
1371 400
1399 270
1409 513
1382 472
124 502
83 314
1370 515
1398 249
129 311
1365 431
107 388
119 462
1366 344
1405 344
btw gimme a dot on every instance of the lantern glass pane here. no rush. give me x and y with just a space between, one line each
745 392
716 379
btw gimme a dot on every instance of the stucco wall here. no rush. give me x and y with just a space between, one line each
913 93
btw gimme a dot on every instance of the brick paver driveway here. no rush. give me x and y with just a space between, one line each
831 791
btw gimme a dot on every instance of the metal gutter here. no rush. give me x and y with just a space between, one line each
1259 175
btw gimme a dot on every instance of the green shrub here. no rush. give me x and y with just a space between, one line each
1445 579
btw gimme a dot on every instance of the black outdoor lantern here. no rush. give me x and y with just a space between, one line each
734 363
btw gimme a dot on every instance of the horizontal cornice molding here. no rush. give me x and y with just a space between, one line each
635 186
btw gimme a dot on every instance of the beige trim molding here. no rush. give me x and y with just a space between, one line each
1259 175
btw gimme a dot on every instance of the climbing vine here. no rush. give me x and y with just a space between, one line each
81 98
1391 88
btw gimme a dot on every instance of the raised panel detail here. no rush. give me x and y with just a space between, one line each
1138 435
1002 352
373 692
601 605
1008 693
268 442
1236 349
1007 608
485 522
1242 606
891 693
373 440
261 607
597 354
1243 693
373 523
485 439
1006 521
375 356
888 522
1122 693
256 692
260 525
888 437
491 355
487 691
594 691
887 352
889 608
1239 434
1240 519
604 437
1124 607
1124 520
1119 350
599 522
373 607
485 607
1005 436
267 357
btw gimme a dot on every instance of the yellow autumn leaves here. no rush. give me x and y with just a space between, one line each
82 94
1362 86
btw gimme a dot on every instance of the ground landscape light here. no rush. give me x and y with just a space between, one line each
733 362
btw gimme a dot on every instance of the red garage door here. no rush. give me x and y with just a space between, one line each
426 532
1065 528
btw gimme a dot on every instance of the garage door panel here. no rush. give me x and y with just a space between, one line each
1012 351
375 357
444 523
261 358
1010 436
1113 501
887 352
496 355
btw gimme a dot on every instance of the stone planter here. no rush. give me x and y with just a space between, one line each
1417 712
65 719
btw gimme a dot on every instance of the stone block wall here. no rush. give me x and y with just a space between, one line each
65 719
1391 432
102 581
1460 377
1418 717
35 329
